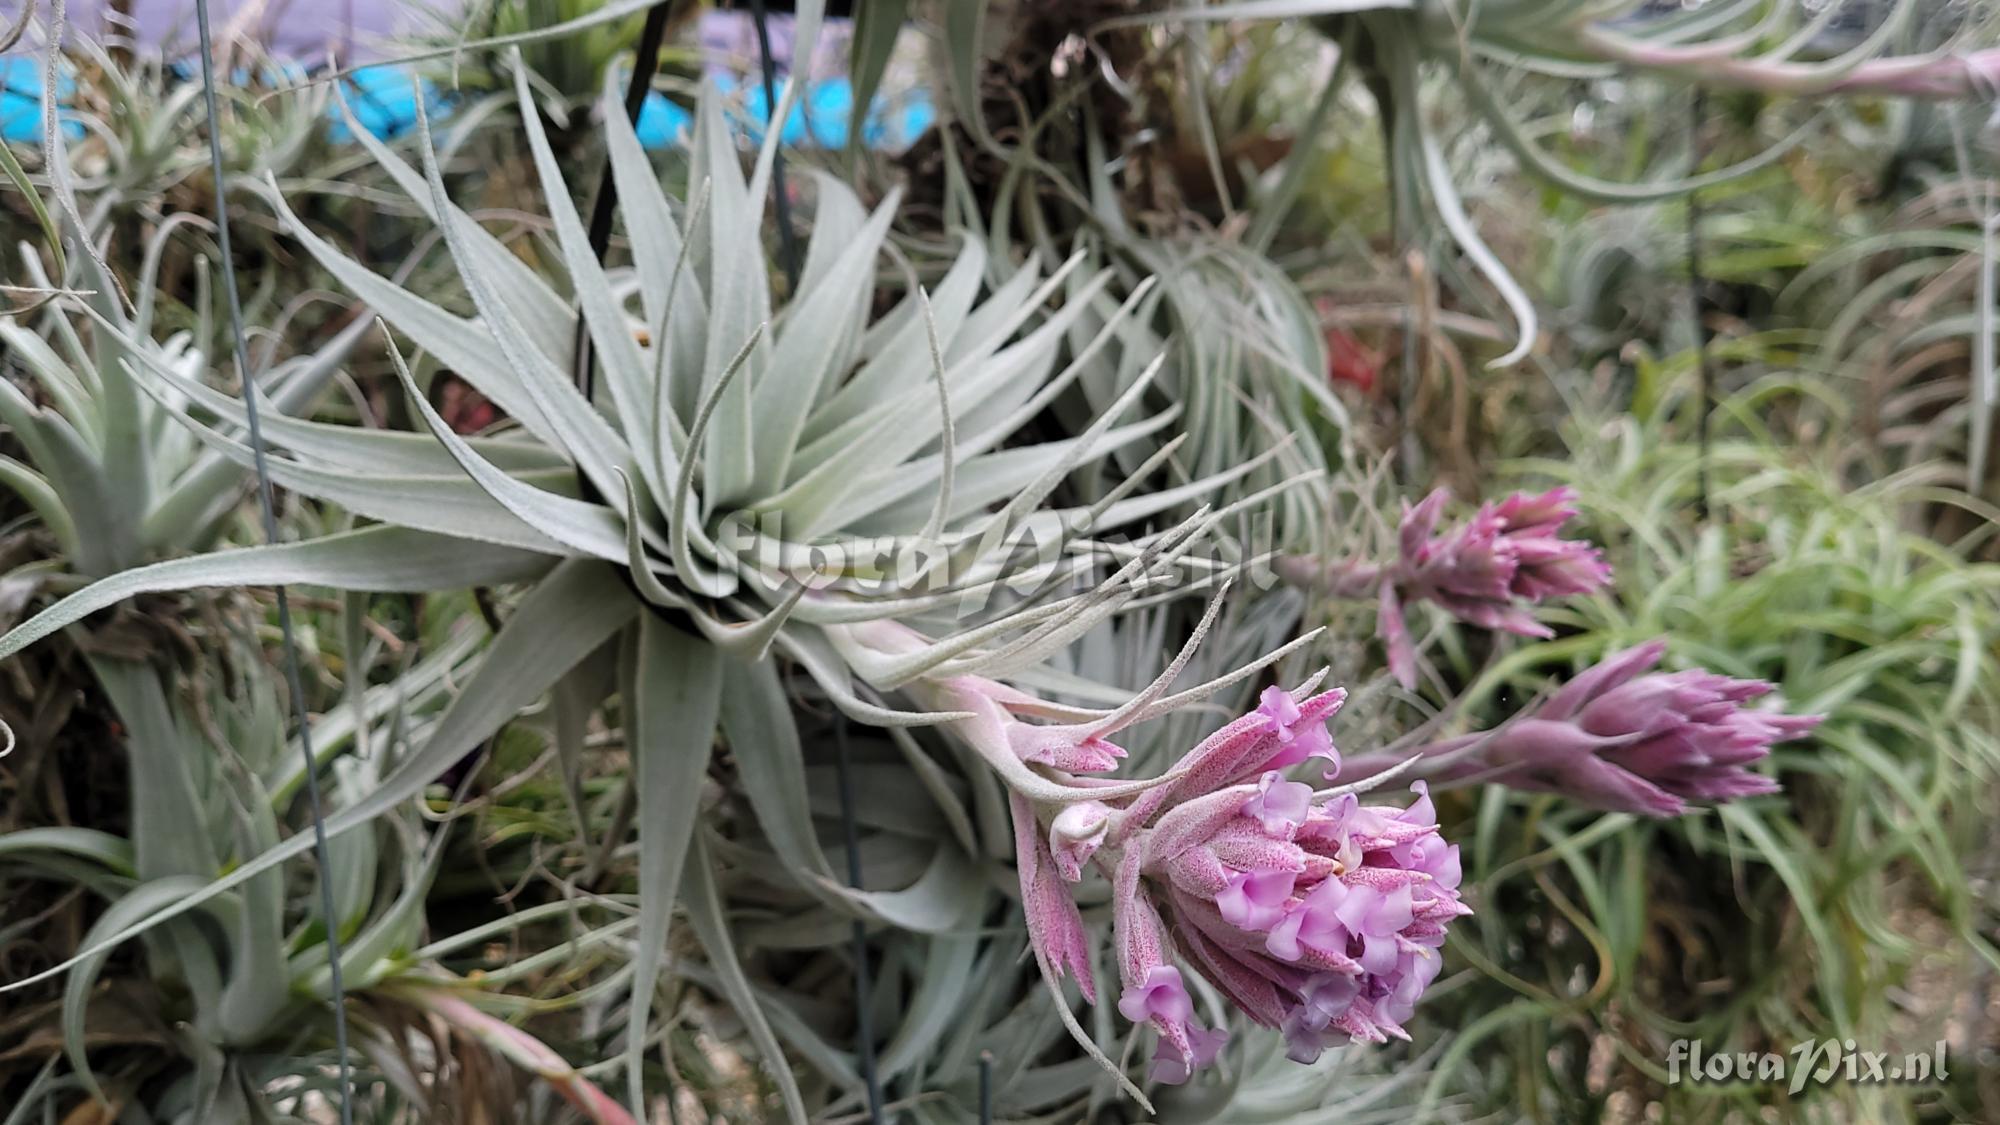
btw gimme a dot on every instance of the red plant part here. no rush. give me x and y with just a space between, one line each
1349 361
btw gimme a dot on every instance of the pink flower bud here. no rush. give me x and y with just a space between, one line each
1486 571
1075 835
1624 738
1055 926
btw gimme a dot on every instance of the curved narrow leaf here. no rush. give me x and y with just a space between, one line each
376 559
704 911
672 699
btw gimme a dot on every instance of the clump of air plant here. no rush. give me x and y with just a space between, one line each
1625 738
1485 572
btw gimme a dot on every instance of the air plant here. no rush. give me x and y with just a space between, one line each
250 965
1800 578
598 504
133 128
1906 310
114 483
748 517
111 475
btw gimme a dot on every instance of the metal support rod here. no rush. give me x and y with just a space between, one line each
985 1088
1696 283
864 1022
647 60
788 247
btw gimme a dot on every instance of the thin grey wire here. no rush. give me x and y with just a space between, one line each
1697 111
289 642
864 1029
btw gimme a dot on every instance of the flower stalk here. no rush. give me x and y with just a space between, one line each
1940 76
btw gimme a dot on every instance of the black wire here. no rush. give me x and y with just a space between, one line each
1696 283
788 244
289 642
864 1022
644 65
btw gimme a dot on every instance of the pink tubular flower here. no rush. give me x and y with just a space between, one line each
1284 730
1300 737
1255 900
1154 993
1279 802
1625 738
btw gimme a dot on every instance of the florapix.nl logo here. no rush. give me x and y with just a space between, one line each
1815 1062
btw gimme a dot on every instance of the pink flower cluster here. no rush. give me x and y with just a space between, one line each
1487 570
1623 737
1325 925
1309 911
